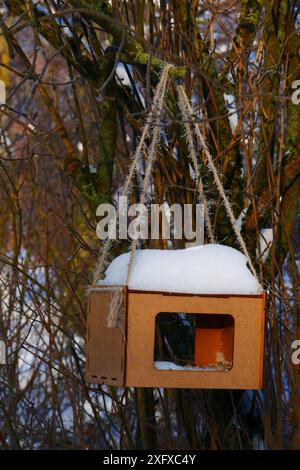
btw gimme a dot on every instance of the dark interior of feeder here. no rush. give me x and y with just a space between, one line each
193 341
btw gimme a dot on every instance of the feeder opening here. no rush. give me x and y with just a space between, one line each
185 341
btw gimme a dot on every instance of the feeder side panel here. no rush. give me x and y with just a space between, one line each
105 346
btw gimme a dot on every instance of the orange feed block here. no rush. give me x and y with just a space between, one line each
214 340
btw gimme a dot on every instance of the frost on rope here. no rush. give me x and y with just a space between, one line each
205 269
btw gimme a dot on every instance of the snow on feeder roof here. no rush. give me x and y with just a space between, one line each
205 269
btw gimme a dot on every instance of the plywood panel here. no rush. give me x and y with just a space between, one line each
207 345
249 319
105 346
228 341
213 339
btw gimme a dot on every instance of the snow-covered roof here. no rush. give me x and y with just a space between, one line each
205 269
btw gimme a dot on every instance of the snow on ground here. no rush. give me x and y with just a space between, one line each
205 269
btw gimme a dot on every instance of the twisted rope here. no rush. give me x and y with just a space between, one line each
154 112
151 157
153 122
218 183
193 157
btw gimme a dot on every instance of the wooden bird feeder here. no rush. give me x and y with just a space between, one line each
178 340
219 342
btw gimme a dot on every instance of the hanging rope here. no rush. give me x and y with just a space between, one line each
151 157
152 124
193 157
153 115
218 182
